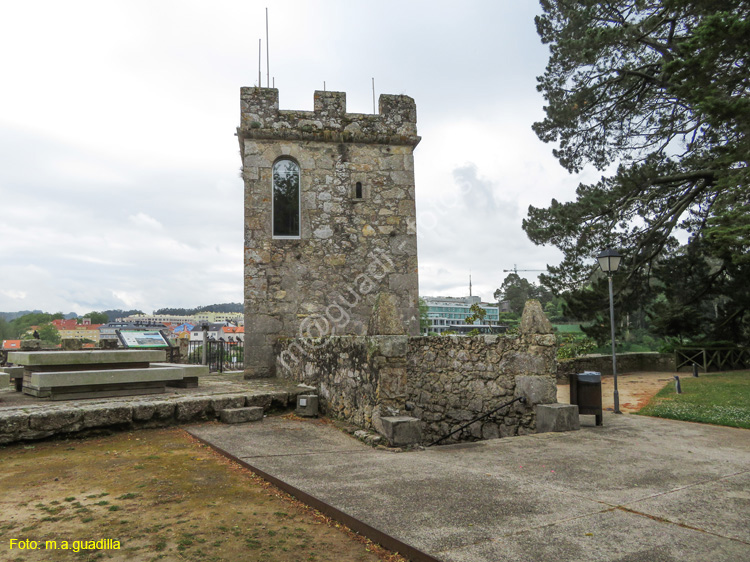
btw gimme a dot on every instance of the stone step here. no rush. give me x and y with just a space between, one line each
401 430
557 417
241 415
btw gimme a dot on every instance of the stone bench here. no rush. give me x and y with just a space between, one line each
64 385
190 376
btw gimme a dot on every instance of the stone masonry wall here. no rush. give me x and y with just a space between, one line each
349 250
454 379
445 381
358 378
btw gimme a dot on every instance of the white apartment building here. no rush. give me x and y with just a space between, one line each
449 313
237 318
156 319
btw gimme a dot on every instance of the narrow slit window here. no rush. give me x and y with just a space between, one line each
358 190
286 205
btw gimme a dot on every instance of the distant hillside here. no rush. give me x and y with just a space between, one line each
223 307
115 314
8 316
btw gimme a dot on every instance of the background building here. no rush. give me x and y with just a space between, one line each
233 334
157 318
72 330
183 330
449 313
217 331
237 318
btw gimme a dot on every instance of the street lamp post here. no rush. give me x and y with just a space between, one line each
609 261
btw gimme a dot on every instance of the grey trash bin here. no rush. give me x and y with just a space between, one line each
586 393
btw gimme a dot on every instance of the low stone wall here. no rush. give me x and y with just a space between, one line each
626 362
44 421
454 379
445 381
357 378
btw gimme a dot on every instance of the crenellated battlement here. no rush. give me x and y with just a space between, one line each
261 118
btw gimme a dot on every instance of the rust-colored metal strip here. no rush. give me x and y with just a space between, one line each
375 535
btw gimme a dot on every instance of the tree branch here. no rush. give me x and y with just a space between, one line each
708 175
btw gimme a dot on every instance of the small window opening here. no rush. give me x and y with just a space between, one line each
286 207
358 190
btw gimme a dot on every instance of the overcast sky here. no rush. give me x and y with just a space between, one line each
119 165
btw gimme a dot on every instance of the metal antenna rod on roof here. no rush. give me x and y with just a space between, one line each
373 96
324 85
268 58
260 84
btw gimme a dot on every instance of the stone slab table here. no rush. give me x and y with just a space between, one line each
64 375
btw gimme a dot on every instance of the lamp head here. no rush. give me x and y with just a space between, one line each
609 261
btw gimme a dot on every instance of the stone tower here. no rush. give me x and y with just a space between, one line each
330 219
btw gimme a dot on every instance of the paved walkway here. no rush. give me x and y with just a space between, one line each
635 490
635 388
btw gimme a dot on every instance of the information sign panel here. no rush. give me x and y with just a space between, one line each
139 339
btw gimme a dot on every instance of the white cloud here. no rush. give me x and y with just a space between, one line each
474 227
142 220
129 300
119 162
17 295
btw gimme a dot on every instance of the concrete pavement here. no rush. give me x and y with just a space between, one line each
635 490
636 389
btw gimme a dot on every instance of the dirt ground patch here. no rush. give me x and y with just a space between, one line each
162 496
635 389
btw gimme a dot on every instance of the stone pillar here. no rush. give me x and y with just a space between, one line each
183 349
536 381
31 345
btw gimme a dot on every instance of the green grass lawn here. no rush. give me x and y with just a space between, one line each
720 399
568 328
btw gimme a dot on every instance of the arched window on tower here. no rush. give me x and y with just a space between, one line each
286 205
